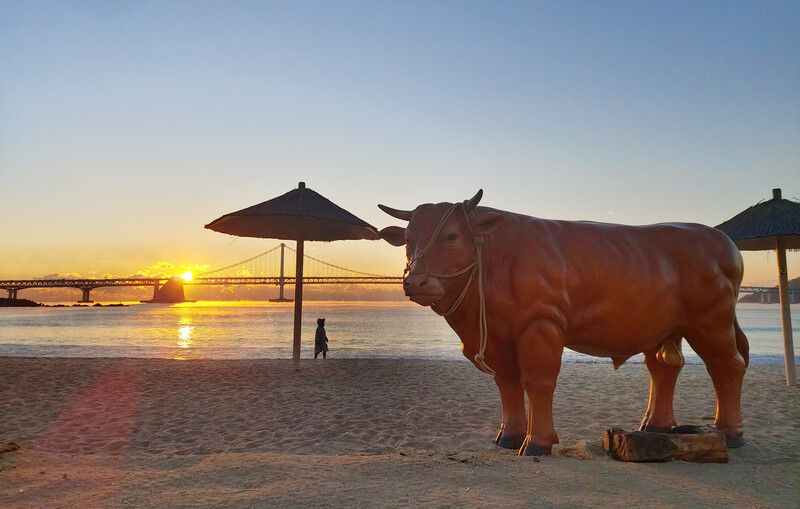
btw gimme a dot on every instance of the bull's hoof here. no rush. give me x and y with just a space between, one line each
734 437
507 440
529 448
655 429
735 440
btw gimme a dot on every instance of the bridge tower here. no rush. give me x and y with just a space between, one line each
281 280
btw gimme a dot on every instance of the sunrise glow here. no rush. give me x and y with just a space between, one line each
187 276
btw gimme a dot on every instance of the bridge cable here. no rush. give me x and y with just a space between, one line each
337 266
239 263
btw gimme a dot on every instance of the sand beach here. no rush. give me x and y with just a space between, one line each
361 433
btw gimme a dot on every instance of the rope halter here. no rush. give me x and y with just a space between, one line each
475 267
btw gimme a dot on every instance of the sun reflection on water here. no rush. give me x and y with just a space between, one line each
185 333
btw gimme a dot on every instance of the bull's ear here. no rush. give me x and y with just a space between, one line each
486 223
394 235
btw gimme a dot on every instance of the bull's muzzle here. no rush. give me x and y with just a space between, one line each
422 289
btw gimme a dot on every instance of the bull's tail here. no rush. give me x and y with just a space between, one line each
741 342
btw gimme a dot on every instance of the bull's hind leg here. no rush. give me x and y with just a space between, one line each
664 363
726 365
514 426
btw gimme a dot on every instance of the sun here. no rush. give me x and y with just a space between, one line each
187 276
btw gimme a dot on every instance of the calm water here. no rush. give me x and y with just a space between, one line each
242 330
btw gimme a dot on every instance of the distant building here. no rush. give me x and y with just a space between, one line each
771 295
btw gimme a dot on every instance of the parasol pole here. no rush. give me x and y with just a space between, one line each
298 306
298 294
786 314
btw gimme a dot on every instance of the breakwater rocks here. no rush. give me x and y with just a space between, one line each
25 303
18 303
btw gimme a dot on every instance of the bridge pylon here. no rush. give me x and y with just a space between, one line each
281 280
85 299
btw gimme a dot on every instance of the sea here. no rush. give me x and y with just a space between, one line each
250 330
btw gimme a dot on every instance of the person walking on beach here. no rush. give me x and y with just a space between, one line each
321 340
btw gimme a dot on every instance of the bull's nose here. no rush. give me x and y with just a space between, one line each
415 280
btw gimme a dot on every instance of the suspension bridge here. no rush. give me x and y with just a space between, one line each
267 268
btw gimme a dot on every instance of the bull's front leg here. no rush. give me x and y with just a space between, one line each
514 426
540 362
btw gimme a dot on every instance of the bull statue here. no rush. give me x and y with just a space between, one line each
517 290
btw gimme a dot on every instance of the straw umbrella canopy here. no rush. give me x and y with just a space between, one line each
773 224
301 214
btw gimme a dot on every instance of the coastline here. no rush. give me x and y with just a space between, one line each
253 330
153 432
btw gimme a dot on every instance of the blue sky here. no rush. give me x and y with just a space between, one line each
125 126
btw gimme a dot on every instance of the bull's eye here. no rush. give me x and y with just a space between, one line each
452 237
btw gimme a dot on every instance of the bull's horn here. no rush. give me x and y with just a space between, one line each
470 204
405 215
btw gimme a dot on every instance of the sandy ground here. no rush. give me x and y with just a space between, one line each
361 433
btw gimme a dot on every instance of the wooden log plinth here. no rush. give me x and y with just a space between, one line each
697 444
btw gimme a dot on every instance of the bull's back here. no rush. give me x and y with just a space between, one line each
645 259
622 288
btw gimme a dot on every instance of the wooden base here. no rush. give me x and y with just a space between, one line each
698 444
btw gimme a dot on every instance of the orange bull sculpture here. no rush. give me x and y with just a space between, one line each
517 290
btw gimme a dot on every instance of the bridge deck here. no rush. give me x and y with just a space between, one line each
21 284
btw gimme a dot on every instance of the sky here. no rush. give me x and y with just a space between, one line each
127 125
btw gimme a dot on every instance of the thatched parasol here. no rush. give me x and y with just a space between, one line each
301 214
773 224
